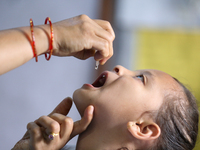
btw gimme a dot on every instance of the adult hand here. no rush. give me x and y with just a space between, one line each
37 133
81 36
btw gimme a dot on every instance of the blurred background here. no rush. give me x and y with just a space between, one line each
161 35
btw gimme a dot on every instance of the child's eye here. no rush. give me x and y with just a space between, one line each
141 77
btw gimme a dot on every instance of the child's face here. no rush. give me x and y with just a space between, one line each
123 95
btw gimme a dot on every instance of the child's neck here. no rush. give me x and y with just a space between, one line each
104 139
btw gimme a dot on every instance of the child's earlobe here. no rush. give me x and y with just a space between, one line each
144 130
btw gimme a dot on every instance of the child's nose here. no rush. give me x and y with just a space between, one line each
120 70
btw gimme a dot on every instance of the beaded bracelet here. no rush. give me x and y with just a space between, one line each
33 41
51 39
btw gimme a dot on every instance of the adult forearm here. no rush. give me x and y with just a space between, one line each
16 49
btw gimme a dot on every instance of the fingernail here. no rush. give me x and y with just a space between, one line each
91 110
103 61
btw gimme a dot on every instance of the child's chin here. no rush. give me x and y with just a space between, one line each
80 101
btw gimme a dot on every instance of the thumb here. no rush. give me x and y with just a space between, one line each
81 125
64 107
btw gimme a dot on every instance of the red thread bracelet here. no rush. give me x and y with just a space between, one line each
33 41
51 39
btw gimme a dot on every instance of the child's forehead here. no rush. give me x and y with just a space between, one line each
155 73
169 84
151 71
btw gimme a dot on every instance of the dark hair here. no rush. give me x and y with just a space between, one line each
178 119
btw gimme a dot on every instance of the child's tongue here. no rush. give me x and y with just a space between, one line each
100 81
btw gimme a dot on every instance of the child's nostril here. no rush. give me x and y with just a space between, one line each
116 70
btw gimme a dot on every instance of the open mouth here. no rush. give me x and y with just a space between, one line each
100 80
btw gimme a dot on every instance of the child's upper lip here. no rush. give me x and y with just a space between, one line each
100 81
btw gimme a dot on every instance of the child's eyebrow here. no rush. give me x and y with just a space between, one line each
147 73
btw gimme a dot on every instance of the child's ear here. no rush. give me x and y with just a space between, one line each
144 130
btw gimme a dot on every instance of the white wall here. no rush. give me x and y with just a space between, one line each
34 89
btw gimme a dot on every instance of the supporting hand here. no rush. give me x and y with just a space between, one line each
37 135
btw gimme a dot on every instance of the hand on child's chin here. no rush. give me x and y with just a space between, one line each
23 144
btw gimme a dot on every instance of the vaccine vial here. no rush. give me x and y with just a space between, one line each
97 65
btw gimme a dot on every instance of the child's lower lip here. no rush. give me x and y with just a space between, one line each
87 86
